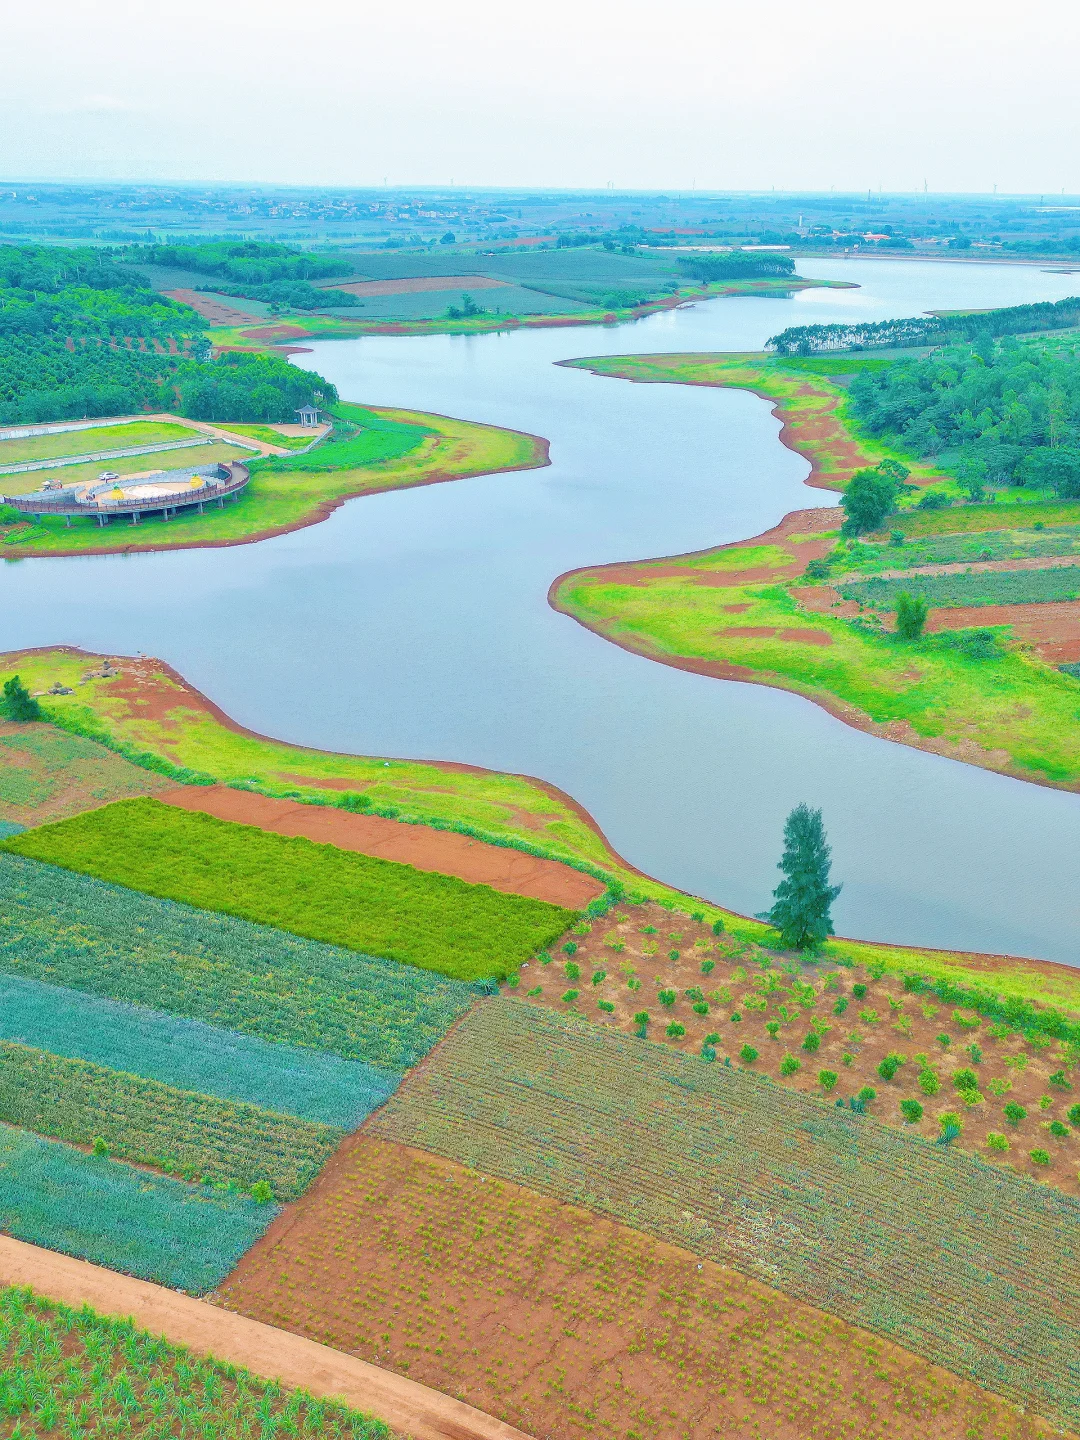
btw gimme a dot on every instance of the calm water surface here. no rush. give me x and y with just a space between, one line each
415 624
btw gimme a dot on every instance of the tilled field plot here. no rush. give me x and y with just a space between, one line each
973 1267
566 1324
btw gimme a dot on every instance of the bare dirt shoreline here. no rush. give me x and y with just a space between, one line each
408 1407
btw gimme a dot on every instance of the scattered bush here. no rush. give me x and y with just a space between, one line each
674 1030
748 1055
572 971
18 703
812 1041
1058 1129
773 1027
890 1065
827 1079
1061 1080
570 948
701 1007
944 1039
841 1005
641 1018
965 1080
859 991
1074 1115
708 966
667 998
789 1065
569 996
606 1006
997 1141
599 976
911 1110
1040 1157
1014 1113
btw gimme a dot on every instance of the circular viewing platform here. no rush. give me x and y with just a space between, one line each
165 492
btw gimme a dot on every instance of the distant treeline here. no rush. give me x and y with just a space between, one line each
253 262
286 294
83 336
927 330
736 265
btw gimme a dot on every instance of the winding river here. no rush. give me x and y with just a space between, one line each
416 624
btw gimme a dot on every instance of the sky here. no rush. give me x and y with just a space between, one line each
578 93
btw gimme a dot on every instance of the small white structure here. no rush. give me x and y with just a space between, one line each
308 416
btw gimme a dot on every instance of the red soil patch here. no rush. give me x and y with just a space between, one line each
276 332
1052 628
569 1325
213 310
772 632
418 286
618 949
511 871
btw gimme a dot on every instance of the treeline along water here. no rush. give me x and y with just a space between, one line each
416 624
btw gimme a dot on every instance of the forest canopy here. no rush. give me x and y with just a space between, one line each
254 262
1002 413
736 265
917 330
239 386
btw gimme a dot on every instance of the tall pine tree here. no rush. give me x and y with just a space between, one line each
802 900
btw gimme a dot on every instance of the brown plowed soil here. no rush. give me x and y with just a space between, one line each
511 871
48 775
213 310
1051 628
408 1408
573 1326
416 287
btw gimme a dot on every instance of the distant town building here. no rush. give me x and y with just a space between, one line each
308 415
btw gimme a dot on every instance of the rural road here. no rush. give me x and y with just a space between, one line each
407 1407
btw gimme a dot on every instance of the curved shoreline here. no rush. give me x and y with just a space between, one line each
538 458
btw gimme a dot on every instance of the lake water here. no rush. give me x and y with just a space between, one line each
416 624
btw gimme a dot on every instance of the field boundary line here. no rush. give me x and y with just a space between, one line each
405 1405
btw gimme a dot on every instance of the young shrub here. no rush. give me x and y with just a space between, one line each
708 966
98 1144
841 1005
967 1022
673 954
1040 1157
996 1141
998 1085
674 1030
599 976
812 1041
693 993
944 1039
261 1192
866 1094
735 1017
827 1079
573 972
1060 1080
633 984
789 1065
667 998
1074 1115
773 1027
965 1080
18 703
649 930
859 991
641 1019
912 1111
975 1052
1014 1113
701 1007
570 948
890 1065
950 1119
1045 1101
569 996
718 927
607 1007
544 956
748 1055
1058 1129
531 994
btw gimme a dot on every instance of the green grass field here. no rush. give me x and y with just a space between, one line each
375 440
61 1368
286 493
268 435
88 442
971 1267
28 481
196 1136
340 897
985 587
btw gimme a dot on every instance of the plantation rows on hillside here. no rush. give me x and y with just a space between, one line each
344 898
917 1242
70 930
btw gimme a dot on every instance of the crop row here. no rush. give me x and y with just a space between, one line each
986 587
375 906
179 1131
185 1236
190 1054
961 548
974 1268
59 1366
67 929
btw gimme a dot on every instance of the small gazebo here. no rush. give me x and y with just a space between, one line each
308 416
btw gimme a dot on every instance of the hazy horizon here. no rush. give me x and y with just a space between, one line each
696 98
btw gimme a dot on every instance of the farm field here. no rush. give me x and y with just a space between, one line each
564 1323
68 930
99 1209
744 612
835 1033
957 590
61 1366
196 1136
341 897
85 442
145 711
285 492
884 1230
47 774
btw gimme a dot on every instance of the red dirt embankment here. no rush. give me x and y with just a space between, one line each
511 871
408 1407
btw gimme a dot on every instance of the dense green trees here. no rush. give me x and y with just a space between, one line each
736 265
997 411
238 386
802 902
927 330
870 496
286 294
254 262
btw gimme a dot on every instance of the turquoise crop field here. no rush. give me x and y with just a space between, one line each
380 907
191 1055
67 929
198 1137
981 587
185 1236
975 1268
